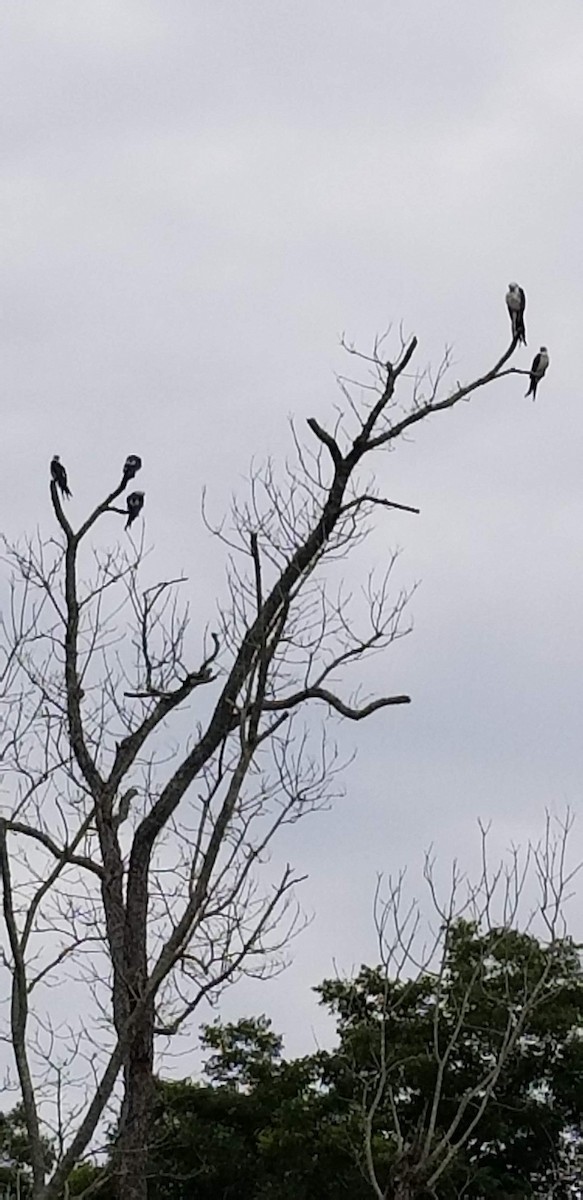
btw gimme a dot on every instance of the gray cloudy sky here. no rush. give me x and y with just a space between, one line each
197 199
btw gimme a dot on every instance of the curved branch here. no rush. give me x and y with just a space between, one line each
320 693
439 405
327 439
130 746
64 854
84 760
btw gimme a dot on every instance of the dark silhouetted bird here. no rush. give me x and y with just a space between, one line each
135 503
59 475
540 363
131 467
516 304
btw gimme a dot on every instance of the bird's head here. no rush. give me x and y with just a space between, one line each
543 350
513 287
56 458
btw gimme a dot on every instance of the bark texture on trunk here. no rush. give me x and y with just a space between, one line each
133 1141
132 1149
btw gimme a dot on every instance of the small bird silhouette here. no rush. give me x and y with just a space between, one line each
135 503
540 363
516 304
131 467
59 476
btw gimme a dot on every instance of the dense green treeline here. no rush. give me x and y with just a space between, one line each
420 1065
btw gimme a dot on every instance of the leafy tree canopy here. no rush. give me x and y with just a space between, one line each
260 1127
436 1037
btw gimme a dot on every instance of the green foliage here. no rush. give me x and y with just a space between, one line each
268 1128
263 1128
245 1053
15 1153
86 1175
467 1008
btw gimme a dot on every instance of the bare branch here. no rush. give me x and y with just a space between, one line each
64 854
19 1015
360 500
345 710
327 439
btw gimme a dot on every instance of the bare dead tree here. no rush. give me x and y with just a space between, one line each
527 892
142 792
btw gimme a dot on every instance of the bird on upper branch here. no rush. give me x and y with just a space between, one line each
135 503
516 304
59 476
131 467
540 363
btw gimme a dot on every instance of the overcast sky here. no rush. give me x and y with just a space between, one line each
197 199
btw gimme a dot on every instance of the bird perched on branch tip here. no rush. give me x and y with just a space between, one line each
131 467
516 304
540 363
59 476
135 503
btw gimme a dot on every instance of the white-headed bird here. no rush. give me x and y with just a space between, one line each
540 363
131 467
135 503
516 304
59 476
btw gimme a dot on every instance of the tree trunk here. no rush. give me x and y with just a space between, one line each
131 1155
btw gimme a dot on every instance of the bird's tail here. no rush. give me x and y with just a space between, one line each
67 492
532 389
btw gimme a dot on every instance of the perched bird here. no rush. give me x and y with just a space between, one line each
131 467
540 363
516 304
135 504
59 475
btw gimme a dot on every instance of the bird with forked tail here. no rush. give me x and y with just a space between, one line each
540 363
135 503
59 476
516 304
